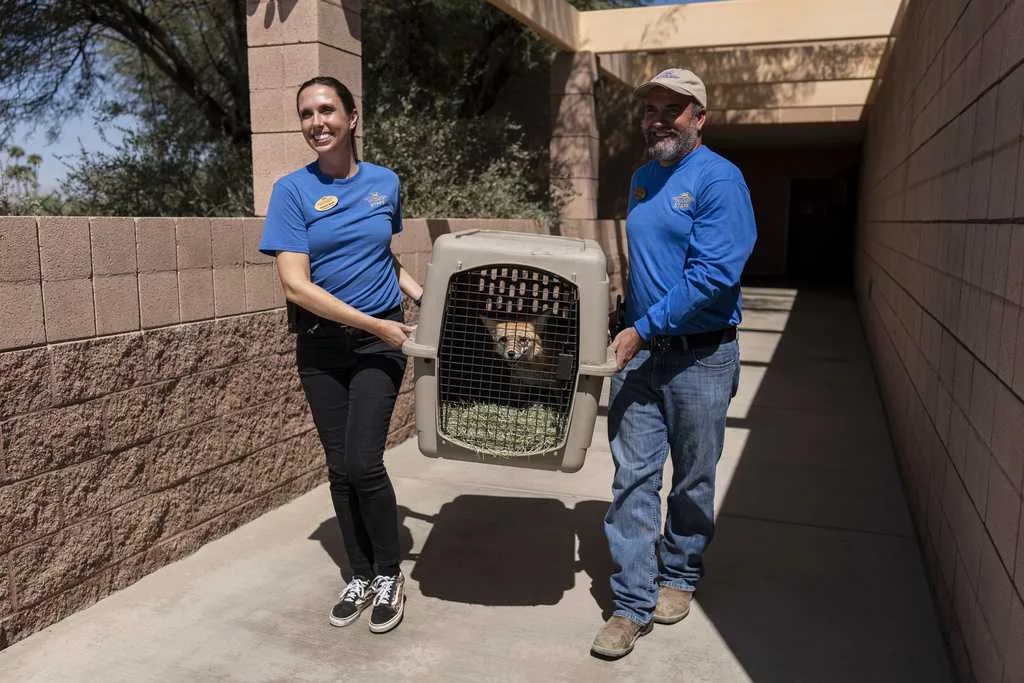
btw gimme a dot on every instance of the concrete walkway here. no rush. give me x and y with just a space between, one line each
814 574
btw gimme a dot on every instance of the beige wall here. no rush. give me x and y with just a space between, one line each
288 43
148 397
939 281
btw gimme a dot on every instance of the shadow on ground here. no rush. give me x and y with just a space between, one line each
815 573
500 551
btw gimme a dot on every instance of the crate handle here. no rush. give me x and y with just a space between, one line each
606 369
411 348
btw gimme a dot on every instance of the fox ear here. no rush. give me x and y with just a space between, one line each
490 324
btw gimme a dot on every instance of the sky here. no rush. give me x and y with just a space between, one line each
74 132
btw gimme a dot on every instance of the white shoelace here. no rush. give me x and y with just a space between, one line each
355 590
384 585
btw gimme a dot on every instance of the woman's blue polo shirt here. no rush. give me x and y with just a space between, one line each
345 226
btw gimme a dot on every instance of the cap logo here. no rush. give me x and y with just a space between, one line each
328 201
667 73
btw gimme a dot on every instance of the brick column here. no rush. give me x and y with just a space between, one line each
575 140
290 42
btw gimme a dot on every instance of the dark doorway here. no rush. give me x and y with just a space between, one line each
822 224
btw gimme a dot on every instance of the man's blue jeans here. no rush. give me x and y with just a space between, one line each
665 402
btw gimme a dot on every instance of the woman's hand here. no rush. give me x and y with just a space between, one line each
393 332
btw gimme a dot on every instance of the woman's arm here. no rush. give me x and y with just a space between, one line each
293 270
406 282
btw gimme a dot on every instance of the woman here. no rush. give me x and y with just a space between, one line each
329 225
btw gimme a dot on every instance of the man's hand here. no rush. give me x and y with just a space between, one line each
625 345
393 332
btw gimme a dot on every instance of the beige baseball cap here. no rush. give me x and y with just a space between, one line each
682 81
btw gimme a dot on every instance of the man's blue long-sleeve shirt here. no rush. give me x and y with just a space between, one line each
690 230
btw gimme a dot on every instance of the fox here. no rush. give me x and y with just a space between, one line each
519 343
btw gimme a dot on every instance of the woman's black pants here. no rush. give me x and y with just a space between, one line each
351 380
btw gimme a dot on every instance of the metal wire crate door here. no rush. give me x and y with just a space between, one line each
508 360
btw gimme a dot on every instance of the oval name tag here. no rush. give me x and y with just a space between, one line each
328 201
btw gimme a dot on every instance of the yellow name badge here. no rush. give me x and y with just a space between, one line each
640 194
328 201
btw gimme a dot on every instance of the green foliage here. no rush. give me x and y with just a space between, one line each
433 74
451 167
49 204
167 167
58 55
456 52
173 76
433 70
19 185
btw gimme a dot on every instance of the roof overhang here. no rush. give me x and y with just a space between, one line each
724 23
777 61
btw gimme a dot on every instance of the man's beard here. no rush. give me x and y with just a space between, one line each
674 147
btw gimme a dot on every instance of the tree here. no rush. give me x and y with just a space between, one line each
56 52
454 156
166 165
460 167
19 185
177 70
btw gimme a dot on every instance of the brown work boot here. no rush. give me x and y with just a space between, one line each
673 605
617 637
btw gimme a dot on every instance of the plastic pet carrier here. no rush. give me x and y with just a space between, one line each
511 349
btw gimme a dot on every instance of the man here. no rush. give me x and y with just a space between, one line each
690 231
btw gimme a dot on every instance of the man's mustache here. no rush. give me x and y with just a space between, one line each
650 135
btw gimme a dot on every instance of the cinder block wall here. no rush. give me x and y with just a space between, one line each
147 402
148 397
939 283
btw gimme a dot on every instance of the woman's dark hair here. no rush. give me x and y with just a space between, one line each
348 102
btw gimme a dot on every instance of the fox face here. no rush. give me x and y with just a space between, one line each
518 340
519 344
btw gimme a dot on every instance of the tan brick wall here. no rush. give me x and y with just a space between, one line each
288 43
575 145
152 404
939 281
147 402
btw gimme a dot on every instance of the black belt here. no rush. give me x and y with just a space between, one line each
305 322
685 342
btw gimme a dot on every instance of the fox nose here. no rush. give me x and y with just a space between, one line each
511 354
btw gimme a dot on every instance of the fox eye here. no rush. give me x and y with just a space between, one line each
502 340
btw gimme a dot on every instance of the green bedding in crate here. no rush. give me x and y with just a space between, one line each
502 430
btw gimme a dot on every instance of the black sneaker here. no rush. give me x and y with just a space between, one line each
389 604
356 597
